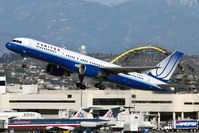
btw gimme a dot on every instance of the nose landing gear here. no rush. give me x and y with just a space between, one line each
24 65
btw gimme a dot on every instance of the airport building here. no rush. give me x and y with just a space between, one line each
166 107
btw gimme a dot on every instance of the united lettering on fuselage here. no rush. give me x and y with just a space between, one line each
62 62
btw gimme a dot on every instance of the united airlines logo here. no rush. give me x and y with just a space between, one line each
167 66
109 114
80 115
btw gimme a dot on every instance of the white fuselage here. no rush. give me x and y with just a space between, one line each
68 59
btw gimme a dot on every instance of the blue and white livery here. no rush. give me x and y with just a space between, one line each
62 62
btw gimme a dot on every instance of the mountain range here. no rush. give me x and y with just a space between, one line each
103 26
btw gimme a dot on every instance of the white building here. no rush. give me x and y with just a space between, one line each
48 102
2 84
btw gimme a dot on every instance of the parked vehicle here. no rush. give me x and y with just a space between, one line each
182 125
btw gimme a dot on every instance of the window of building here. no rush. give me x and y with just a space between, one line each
42 101
133 96
152 102
2 83
108 101
188 103
69 96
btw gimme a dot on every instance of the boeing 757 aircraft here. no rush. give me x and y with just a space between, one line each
62 62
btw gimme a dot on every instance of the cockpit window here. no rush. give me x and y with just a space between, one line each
17 41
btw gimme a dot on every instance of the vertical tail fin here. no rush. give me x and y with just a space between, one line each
85 112
112 113
80 114
167 67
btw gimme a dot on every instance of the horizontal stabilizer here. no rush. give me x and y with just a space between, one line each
181 86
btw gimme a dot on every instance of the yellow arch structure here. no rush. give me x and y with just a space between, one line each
137 49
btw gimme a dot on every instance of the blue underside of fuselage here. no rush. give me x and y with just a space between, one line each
70 64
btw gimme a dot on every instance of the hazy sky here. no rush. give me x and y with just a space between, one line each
109 2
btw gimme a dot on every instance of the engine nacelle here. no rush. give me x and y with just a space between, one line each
56 70
90 70
89 124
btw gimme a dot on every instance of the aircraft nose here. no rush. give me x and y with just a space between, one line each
8 45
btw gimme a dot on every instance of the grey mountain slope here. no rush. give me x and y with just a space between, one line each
102 28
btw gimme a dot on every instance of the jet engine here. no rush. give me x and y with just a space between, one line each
57 70
90 70
89 124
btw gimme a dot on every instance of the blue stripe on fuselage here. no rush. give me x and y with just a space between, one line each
132 82
70 64
30 122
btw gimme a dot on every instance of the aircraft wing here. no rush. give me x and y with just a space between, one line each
87 109
60 127
116 70
13 117
66 128
99 124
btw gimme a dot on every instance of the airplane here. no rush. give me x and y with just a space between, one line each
63 62
66 124
6 116
20 115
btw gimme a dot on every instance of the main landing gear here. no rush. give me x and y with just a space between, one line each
100 86
81 85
